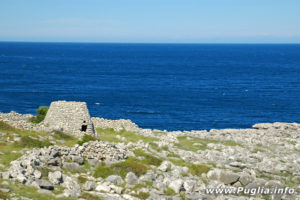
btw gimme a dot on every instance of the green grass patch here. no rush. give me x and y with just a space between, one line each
89 196
194 169
130 165
110 136
173 155
148 159
30 192
8 156
142 195
195 144
81 179
5 127
86 138
29 142
169 192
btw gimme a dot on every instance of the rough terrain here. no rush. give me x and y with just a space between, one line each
127 162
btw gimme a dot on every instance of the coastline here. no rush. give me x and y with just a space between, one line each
266 155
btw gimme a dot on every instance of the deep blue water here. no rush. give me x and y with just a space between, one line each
163 86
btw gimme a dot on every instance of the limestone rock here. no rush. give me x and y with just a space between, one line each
131 178
226 177
115 179
55 177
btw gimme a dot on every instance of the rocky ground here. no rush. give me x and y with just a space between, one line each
126 162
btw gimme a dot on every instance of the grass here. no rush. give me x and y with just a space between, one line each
169 192
196 170
173 155
81 179
142 195
110 136
89 196
27 141
148 159
130 165
86 138
29 192
201 144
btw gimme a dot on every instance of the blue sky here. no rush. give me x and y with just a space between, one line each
171 21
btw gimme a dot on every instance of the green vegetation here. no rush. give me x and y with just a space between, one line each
88 196
194 169
81 179
169 192
110 135
148 159
27 141
27 191
130 165
11 151
142 195
86 138
40 114
195 144
173 155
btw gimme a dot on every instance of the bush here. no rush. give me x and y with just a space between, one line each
40 114
86 138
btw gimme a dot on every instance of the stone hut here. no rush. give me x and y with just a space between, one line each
70 117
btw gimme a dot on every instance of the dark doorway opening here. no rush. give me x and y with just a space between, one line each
83 128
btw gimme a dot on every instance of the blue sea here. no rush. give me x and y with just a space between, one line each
161 86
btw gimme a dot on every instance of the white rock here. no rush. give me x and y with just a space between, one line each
131 178
165 166
189 185
55 177
102 188
176 185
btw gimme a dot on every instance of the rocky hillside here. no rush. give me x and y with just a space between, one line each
126 162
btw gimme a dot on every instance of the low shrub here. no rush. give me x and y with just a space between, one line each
40 114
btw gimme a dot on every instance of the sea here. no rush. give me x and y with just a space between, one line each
158 86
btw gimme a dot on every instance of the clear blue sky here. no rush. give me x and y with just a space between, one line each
196 21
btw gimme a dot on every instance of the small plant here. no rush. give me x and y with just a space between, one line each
81 179
142 195
86 138
40 114
169 192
